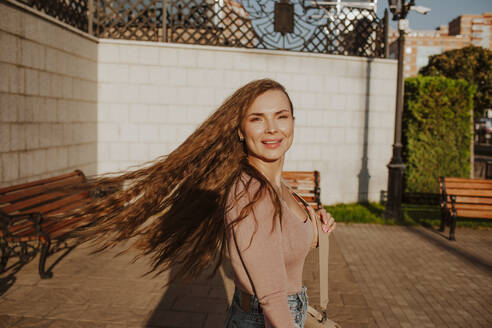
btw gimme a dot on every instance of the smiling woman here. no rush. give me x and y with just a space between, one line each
268 255
219 191
268 127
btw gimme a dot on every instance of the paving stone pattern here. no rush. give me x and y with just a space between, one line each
380 276
415 277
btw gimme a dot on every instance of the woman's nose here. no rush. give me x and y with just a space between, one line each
271 126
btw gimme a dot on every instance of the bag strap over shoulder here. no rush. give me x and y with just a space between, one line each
297 196
315 222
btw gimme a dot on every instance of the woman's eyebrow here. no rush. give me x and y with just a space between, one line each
262 114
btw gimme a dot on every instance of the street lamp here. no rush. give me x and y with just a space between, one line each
399 9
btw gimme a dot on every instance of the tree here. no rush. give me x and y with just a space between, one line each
436 130
473 64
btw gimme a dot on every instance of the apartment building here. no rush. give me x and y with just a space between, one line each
462 31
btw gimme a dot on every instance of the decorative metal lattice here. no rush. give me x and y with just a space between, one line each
209 22
250 23
319 26
128 19
71 12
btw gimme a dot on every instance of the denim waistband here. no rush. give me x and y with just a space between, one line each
255 307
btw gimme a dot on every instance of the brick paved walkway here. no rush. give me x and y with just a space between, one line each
380 276
415 277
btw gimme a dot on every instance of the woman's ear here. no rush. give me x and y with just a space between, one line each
240 134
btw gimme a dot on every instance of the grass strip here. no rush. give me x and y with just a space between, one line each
371 212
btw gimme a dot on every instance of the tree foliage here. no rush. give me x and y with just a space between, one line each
436 130
473 64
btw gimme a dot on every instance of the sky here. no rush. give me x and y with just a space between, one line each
442 12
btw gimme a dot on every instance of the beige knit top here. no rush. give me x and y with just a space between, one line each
273 260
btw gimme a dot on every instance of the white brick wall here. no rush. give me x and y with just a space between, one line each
48 99
172 88
67 101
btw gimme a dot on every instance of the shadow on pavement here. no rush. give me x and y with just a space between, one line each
451 246
199 303
8 276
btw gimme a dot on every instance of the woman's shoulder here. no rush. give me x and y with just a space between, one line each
244 185
245 189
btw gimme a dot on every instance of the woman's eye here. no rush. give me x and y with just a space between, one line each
254 119
284 116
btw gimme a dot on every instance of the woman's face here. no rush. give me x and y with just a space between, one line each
268 126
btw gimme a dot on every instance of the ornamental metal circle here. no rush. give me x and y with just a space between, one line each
307 17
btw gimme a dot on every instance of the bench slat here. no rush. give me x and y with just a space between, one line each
296 185
308 198
475 214
30 202
481 181
469 192
71 206
39 189
57 204
303 191
64 227
298 175
314 205
52 228
19 225
471 185
40 182
28 228
477 207
472 200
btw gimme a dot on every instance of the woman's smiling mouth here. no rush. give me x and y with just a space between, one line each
272 143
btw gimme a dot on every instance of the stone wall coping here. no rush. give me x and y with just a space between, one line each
246 50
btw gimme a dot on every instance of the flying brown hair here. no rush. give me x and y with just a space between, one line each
173 208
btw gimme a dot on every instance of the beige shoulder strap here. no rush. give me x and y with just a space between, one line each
296 195
314 222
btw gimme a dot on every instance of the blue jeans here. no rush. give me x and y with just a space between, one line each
238 318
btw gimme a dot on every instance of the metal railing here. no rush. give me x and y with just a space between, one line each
414 198
71 12
250 24
341 28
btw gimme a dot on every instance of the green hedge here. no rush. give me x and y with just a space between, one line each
436 131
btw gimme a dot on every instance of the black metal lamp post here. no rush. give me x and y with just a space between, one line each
399 9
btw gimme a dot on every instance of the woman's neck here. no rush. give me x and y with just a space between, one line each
271 170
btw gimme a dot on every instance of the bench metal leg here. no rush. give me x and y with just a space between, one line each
5 252
444 220
42 261
453 226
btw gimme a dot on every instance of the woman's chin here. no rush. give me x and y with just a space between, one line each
269 158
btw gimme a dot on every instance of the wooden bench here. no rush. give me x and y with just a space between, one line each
26 216
306 184
464 198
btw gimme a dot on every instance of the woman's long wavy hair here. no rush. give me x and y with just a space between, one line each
173 208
